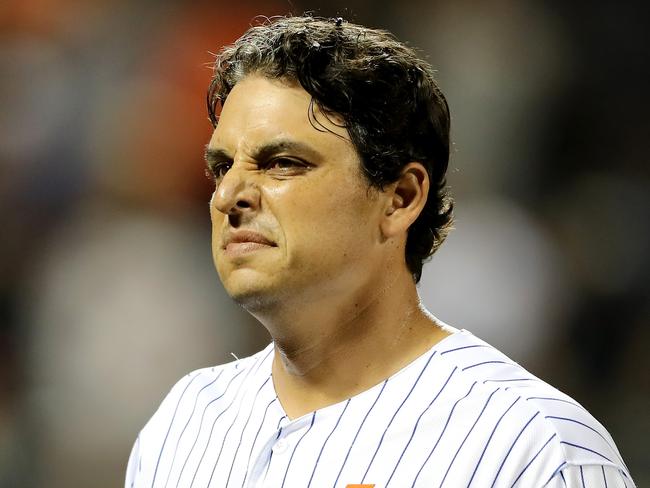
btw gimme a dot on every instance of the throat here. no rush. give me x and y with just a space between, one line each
327 372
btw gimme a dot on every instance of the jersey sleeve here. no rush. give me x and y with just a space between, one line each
592 476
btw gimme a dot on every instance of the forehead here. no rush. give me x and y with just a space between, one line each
259 109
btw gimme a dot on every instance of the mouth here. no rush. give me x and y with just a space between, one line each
244 242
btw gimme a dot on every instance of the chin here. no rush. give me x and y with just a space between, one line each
255 301
250 292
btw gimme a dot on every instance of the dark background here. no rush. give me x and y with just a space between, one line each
107 291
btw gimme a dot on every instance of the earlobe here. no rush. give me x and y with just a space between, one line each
408 195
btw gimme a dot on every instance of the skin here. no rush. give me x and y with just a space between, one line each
329 281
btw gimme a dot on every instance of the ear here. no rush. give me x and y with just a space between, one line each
406 199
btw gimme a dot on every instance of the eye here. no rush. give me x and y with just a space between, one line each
218 171
283 164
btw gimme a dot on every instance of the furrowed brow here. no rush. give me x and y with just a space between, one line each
285 145
216 155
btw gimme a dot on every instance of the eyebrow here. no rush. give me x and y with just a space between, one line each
216 155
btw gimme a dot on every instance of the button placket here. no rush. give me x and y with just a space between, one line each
280 446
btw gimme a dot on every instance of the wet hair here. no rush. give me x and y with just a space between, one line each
383 93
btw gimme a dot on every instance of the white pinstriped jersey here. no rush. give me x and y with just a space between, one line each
463 414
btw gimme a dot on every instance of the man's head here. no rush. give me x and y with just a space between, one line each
363 81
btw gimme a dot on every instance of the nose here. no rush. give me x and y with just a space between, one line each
236 193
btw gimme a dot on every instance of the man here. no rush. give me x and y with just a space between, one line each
329 158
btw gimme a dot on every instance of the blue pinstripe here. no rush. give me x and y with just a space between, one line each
325 443
178 441
180 475
463 347
313 417
359 430
162 448
466 436
395 414
443 432
198 466
590 428
531 461
417 423
486 362
586 449
490 439
513 445
279 429
558 400
242 434
255 440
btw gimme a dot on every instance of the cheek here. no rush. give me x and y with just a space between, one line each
328 219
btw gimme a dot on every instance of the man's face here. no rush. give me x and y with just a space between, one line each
293 218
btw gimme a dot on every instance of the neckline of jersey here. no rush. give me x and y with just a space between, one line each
459 333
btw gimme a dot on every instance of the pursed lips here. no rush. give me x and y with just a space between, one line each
243 241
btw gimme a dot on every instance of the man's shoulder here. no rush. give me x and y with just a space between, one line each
212 382
222 373
529 408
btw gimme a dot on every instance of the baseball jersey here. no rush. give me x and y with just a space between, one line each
462 414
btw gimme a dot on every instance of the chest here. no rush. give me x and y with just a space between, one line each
391 440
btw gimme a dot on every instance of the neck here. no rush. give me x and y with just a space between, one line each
340 345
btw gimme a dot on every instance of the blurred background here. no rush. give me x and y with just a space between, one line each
107 291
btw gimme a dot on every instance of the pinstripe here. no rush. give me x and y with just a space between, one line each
178 440
463 347
279 429
513 445
582 477
171 423
198 466
443 432
586 449
286 472
590 428
519 387
555 473
381 440
531 461
558 400
622 471
255 440
509 380
468 433
180 475
325 443
486 362
563 480
418 423
593 430
242 433
251 369
359 430
604 477
490 439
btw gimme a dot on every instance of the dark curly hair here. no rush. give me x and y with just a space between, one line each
383 92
